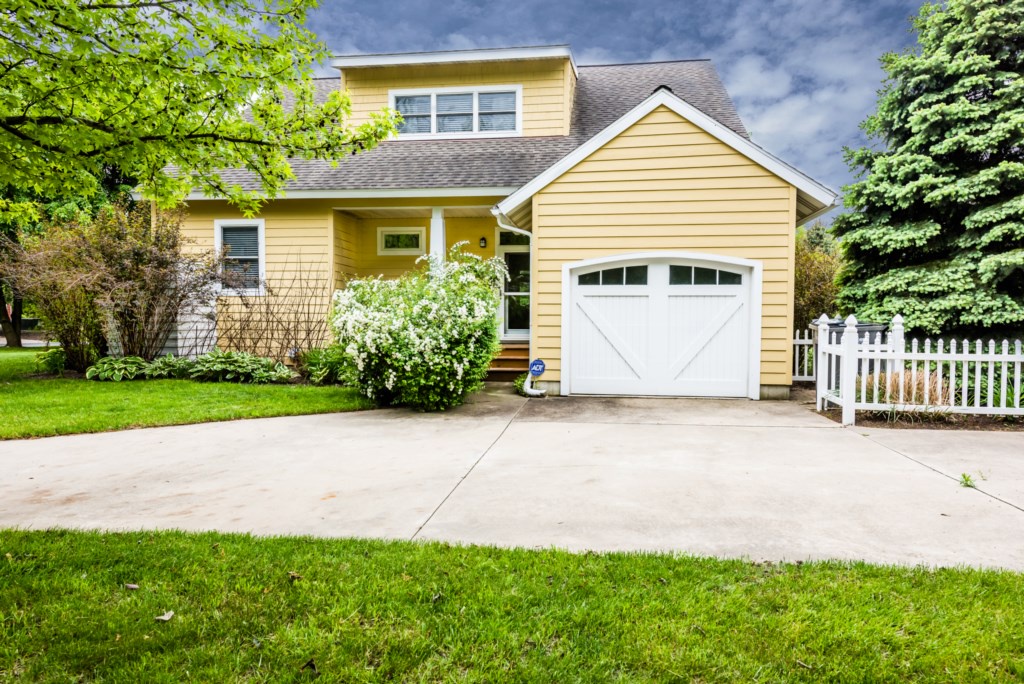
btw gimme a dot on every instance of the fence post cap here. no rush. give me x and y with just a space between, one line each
851 321
897 321
823 320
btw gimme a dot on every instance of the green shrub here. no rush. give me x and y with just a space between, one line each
323 366
52 361
423 340
519 384
169 367
117 369
235 366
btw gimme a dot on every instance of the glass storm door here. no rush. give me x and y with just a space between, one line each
514 249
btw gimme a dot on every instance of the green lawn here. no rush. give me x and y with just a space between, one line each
378 611
41 407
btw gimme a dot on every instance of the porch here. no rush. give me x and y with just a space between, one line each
368 241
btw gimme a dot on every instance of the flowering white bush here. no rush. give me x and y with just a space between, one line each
425 339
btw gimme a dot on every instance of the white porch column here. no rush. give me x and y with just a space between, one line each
437 238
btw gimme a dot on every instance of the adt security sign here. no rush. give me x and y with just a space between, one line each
536 367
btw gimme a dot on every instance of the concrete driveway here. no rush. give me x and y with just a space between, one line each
761 480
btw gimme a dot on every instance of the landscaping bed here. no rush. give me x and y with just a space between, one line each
910 420
85 606
35 405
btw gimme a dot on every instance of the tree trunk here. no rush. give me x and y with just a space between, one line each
11 324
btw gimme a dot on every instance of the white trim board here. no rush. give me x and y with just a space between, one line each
454 56
375 194
663 98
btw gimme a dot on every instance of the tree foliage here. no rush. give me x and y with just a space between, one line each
935 230
817 265
171 92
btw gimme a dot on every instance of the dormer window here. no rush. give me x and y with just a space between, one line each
482 112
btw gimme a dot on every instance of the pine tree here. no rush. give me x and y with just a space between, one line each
935 224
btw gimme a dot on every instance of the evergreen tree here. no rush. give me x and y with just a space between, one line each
935 223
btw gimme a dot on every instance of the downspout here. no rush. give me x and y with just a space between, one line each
528 388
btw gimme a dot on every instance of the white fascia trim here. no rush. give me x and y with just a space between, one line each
382 194
454 57
662 97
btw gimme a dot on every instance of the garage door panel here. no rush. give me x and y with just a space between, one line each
612 340
718 368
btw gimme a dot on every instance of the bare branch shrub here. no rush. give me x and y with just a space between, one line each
52 270
287 317
120 282
151 276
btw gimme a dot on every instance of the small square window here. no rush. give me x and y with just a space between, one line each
590 278
612 276
680 275
636 275
401 241
729 278
704 276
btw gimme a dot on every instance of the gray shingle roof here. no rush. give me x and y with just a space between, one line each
603 95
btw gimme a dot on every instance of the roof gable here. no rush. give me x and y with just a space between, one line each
820 196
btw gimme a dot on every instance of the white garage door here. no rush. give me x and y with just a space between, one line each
660 326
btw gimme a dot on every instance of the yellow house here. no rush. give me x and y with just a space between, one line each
650 241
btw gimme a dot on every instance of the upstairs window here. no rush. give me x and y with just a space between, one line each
484 111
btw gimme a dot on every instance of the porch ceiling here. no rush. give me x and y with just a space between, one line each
416 212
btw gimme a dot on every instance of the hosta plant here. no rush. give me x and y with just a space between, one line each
114 369
235 366
169 367
323 366
425 339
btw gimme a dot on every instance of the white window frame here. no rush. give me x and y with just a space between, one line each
475 91
408 230
218 236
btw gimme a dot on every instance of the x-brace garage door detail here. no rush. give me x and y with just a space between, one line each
660 327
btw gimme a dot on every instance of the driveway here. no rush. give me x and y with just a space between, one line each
760 480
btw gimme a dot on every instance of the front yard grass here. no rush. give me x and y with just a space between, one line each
34 406
251 609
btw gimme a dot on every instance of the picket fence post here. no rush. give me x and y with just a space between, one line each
822 372
848 374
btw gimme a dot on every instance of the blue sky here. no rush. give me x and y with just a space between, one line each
803 73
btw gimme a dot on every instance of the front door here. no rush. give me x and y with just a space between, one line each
514 249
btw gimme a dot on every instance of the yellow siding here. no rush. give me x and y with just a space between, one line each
368 263
300 259
345 226
665 184
547 101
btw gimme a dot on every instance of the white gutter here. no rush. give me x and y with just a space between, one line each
502 220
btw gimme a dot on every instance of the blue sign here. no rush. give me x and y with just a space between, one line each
536 367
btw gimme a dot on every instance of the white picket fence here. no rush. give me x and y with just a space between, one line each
879 372
803 356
